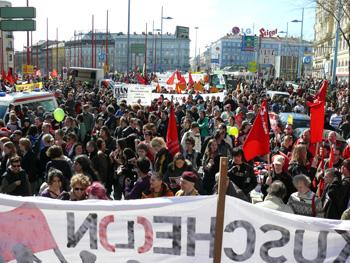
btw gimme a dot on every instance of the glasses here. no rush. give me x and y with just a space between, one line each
79 189
16 166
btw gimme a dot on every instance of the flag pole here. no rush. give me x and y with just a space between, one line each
220 209
268 165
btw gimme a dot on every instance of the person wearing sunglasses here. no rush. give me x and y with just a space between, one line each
79 183
15 180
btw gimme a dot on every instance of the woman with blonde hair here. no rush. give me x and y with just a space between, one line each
78 183
163 156
299 163
9 150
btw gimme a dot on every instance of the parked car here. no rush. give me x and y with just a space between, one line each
273 94
299 120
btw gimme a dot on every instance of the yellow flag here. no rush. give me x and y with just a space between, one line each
290 119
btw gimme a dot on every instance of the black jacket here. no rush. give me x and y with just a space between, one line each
339 194
162 160
243 176
8 185
29 165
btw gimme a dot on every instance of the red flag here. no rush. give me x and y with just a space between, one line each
190 79
257 142
140 79
9 77
170 81
331 157
317 114
178 75
172 138
54 73
182 80
239 119
158 88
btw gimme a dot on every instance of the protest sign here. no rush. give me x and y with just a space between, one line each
29 87
163 230
139 94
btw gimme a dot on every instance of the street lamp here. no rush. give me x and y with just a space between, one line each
161 38
195 49
128 41
155 48
301 41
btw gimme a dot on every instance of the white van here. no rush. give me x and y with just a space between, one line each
30 99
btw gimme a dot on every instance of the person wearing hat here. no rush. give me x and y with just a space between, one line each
187 182
277 173
194 132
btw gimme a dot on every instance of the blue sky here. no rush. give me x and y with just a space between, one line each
214 18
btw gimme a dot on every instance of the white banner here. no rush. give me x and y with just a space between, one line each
168 230
120 92
139 94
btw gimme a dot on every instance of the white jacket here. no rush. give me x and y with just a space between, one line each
275 203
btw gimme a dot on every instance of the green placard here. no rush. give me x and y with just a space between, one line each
18 25
137 48
17 12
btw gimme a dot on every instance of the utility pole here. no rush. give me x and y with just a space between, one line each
106 62
128 41
28 51
47 46
92 42
336 46
145 61
57 49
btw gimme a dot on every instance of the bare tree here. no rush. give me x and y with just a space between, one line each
339 10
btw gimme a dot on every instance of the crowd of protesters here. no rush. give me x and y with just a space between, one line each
109 150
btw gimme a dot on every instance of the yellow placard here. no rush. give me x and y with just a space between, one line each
29 87
28 69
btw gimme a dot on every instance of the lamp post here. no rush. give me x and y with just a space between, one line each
301 41
336 46
161 38
128 41
195 49
155 48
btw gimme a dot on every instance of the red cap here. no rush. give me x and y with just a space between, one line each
189 176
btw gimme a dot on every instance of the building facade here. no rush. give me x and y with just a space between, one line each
268 54
40 58
81 51
324 44
175 52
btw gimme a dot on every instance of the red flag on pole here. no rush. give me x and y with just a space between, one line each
178 75
331 157
170 81
182 80
257 142
317 114
172 138
140 79
9 77
190 79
